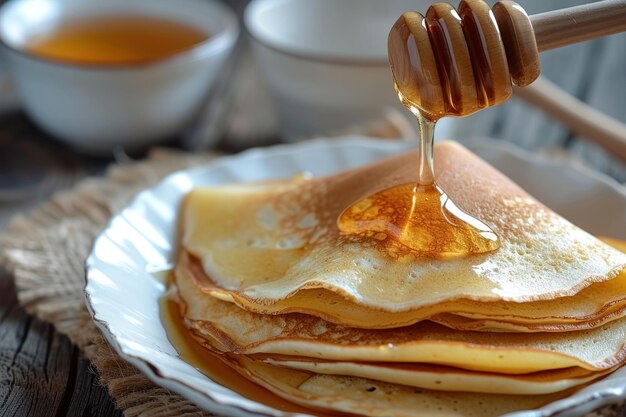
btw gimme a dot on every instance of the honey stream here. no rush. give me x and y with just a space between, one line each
418 218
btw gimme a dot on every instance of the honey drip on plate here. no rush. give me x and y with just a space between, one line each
418 218
205 361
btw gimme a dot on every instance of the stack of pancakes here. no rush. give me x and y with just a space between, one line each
265 279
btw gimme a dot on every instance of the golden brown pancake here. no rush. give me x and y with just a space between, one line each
595 305
238 331
274 248
374 398
605 299
443 378
332 321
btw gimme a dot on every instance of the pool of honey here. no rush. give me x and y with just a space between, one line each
212 367
114 40
410 219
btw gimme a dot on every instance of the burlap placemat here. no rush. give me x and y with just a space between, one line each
45 252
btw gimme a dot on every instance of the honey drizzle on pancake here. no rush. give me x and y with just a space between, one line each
418 219
430 83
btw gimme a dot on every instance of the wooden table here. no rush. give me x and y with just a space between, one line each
42 374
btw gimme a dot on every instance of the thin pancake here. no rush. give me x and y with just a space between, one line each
240 331
442 378
467 322
264 244
373 398
595 305
607 297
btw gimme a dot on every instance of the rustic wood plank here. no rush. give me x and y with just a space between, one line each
41 372
88 397
32 166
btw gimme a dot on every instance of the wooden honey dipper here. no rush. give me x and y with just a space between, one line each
457 62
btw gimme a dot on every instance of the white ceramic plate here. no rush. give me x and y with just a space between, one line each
122 292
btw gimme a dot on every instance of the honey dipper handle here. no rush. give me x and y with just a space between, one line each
580 23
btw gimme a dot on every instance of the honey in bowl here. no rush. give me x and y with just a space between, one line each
115 40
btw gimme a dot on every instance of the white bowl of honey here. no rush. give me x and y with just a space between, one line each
100 75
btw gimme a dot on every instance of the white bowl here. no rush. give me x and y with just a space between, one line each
97 108
122 291
326 60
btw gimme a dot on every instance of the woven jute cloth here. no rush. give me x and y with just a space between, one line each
45 252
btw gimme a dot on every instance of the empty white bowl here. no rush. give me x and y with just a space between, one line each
97 108
326 60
